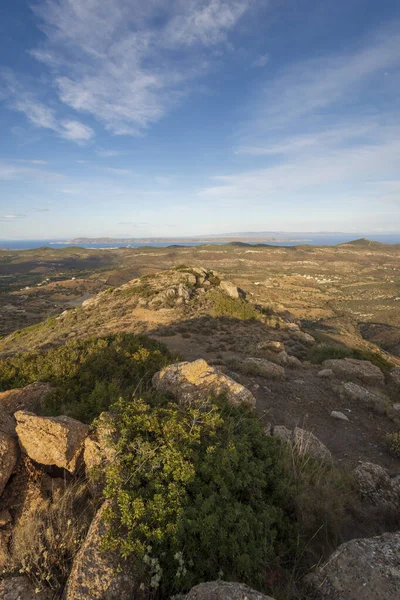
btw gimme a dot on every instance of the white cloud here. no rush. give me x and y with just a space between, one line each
11 218
261 61
9 171
109 59
73 130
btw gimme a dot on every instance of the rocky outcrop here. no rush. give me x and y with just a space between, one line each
97 575
198 380
357 393
367 569
20 588
263 367
8 458
28 398
303 442
222 590
358 371
51 440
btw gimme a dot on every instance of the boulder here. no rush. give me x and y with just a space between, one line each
367 569
303 442
231 289
51 440
20 588
264 367
188 381
303 337
376 487
8 458
271 345
394 376
355 392
222 590
27 398
339 416
358 371
97 575
326 373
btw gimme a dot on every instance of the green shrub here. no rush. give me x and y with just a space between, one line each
87 375
236 308
326 351
393 443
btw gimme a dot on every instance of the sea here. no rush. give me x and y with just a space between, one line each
295 240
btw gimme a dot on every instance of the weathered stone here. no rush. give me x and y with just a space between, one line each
51 440
306 442
197 380
4 554
7 423
230 289
358 371
367 569
272 345
394 376
264 367
293 361
8 459
183 292
5 518
222 590
20 588
27 398
326 373
97 575
376 486
355 392
339 416
303 337
282 433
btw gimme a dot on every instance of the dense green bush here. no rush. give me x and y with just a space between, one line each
236 308
326 351
199 493
88 375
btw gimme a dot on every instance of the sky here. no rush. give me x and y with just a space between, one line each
127 118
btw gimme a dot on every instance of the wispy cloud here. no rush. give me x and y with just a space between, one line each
261 61
11 218
10 171
111 61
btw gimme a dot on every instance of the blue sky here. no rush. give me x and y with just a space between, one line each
182 117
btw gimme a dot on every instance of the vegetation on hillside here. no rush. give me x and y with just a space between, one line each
87 375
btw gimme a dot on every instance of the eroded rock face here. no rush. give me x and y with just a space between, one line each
51 440
222 590
8 458
95 574
362 569
265 368
27 398
196 380
357 393
20 588
358 371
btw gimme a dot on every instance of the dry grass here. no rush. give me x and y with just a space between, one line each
46 540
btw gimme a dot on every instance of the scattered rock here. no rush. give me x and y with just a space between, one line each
303 442
396 406
376 487
303 337
335 414
292 327
231 289
95 575
28 398
362 568
394 376
194 380
264 367
51 440
222 590
358 371
293 362
326 373
272 345
355 392
8 459
20 588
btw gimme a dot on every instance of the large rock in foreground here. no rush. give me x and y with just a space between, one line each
358 371
20 588
8 459
95 575
28 398
51 440
195 380
364 569
222 590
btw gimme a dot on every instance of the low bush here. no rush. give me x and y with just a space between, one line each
236 308
87 375
201 493
393 444
326 351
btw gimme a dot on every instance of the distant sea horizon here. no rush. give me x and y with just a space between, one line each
313 239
